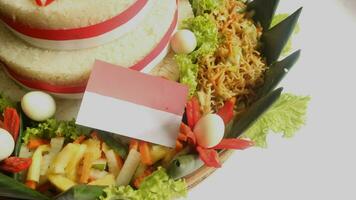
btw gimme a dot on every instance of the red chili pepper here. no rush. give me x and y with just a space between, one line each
227 111
209 156
196 110
39 2
189 113
12 122
15 164
46 3
186 130
234 143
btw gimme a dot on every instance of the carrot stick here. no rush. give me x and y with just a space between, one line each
182 137
179 146
134 144
94 135
31 184
119 160
34 143
44 187
137 181
145 153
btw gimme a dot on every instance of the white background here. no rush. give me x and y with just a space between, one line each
320 161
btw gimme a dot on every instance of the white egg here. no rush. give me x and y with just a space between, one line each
209 130
183 41
38 106
7 144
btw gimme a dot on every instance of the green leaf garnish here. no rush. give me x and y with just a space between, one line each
276 72
239 125
276 20
286 116
275 39
157 186
263 11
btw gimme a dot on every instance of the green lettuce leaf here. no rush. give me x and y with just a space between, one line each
5 102
188 72
206 33
157 186
276 20
53 128
204 6
286 116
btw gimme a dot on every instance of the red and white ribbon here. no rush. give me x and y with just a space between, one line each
144 65
84 37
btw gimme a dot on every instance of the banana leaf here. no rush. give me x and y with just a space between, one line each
23 120
263 11
274 39
81 192
239 125
116 145
277 72
10 188
184 165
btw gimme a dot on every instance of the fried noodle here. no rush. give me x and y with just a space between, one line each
236 68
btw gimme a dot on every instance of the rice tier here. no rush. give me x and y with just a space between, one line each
63 14
68 68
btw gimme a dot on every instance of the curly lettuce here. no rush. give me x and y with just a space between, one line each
5 102
157 186
286 116
188 72
205 6
206 33
52 128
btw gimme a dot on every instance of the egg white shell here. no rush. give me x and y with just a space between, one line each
38 106
209 130
7 144
183 41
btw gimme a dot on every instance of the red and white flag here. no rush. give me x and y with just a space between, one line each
133 104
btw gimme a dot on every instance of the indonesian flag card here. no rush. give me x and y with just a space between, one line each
133 104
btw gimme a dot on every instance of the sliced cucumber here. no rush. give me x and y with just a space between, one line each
35 168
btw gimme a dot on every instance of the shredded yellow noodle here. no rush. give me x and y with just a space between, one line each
236 69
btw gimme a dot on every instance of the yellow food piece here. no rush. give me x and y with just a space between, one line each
92 153
158 152
63 158
107 180
35 168
61 182
140 170
72 168
168 158
112 162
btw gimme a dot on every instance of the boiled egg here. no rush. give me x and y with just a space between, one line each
7 144
38 106
183 41
209 130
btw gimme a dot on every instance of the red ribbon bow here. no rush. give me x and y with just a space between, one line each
209 155
43 3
